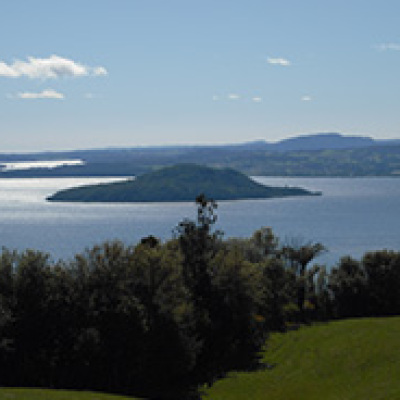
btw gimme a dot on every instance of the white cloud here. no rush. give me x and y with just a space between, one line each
388 46
100 71
46 68
7 71
233 96
257 99
279 61
215 98
306 98
45 94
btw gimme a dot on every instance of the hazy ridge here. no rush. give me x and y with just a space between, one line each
328 154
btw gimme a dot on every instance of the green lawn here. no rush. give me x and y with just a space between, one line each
343 360
45 394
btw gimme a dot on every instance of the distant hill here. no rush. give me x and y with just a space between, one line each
328 154
322 141
178 183
317 141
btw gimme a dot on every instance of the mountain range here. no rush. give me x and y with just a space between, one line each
325 154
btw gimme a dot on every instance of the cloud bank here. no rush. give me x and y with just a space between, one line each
48 68
45 94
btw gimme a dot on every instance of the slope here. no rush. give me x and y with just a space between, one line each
48 394
182 182
349 359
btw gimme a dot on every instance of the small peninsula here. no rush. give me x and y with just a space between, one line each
178 183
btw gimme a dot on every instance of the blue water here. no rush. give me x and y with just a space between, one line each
352 216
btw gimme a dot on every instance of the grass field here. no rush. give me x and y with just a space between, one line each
45 394
343 360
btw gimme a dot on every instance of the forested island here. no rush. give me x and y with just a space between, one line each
179 183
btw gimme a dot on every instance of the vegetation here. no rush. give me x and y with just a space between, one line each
178 183
350 359
160 320
317 155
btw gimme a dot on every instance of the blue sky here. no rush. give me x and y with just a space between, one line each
90 74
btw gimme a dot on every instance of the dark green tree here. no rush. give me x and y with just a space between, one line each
348 284
237 326
298 257
382 271
7 309
31 317
278 284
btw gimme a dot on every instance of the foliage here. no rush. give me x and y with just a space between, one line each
367 287
348 284
179 183
298 256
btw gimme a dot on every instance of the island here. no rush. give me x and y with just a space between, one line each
179 183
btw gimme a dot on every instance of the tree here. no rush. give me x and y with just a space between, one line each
298 257
348 284
31 317
7 309
262 245
199 245
278 285
323 297
113 328
382 271
169 345
237 329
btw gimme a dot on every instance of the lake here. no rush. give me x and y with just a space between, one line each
352 216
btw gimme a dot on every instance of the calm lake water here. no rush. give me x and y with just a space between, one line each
352 216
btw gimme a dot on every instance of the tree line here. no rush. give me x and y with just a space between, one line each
161 319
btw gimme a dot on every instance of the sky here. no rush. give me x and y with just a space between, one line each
114 73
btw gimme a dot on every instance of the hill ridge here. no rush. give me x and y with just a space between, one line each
182 182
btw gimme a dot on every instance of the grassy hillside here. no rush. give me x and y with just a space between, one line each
353 359
46 394
183 182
